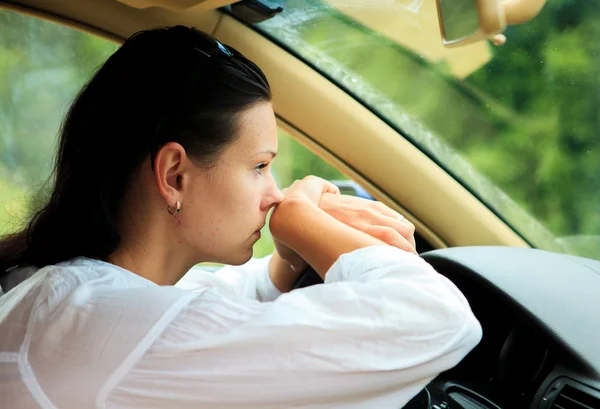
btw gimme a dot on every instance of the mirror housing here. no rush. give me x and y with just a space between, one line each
464 22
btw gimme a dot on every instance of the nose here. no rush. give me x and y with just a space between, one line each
274 195
277 195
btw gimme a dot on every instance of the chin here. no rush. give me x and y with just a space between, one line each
237 258
233 254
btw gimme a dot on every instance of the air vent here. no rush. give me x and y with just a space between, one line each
573 398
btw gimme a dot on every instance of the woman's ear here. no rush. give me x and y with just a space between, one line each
170 165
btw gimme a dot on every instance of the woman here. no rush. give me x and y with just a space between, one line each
164 162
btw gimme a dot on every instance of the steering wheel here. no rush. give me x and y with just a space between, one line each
308 277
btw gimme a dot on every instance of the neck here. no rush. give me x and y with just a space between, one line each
149 245
151 262
149 249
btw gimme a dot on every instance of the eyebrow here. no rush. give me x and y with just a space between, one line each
270 152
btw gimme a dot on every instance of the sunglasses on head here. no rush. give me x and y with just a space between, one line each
209 46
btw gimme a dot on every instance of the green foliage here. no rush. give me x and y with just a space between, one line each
42 66
521 132
14 206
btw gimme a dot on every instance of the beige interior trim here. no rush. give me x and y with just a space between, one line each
433 239
177 4
314 106
111 19
317 107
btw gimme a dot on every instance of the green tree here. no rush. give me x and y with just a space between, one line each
526 121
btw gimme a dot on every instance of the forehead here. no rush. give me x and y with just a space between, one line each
257 130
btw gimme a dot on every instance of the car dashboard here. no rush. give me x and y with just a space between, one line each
540 314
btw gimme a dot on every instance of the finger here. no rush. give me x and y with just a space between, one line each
378 213
326 186
407 231
376 206
323 185
390 212
407 222
390 236
333 189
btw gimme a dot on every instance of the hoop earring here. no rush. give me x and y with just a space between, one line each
174 211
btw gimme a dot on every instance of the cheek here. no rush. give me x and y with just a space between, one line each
254 192
237 197
231 201
252 199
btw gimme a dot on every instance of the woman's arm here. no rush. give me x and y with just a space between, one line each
314 213
250 280
316 236
382 326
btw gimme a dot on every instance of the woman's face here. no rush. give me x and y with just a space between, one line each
227 205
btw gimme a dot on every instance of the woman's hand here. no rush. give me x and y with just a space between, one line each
309 189
373 218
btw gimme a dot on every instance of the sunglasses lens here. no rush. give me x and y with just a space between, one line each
223 49
210 45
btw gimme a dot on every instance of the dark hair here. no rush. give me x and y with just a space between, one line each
161 85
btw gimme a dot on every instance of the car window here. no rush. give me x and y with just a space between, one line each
42 67
516 125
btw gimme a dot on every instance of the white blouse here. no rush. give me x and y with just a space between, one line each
88 334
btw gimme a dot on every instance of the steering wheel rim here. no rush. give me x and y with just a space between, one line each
307 278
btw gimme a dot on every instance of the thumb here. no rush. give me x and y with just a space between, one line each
329 187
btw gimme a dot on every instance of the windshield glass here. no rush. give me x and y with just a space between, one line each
517 125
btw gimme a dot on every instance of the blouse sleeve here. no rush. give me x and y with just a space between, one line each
251 280
382 326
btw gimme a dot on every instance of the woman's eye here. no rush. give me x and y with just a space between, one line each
260 167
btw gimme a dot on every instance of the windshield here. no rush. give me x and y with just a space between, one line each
515 124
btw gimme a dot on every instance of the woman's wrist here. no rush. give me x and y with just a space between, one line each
286 215
314 235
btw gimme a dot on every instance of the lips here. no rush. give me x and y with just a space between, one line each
261 227
257 232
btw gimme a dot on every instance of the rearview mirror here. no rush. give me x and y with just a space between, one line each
466 21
